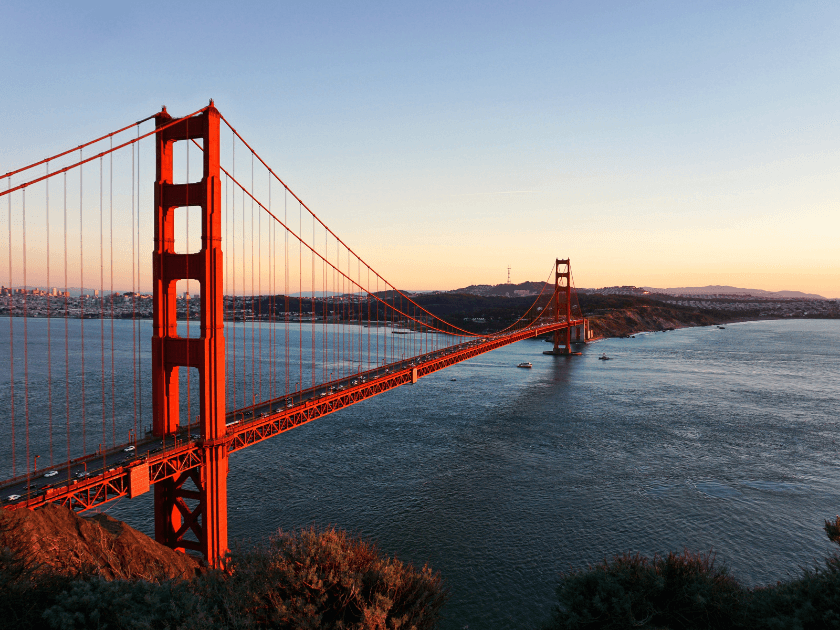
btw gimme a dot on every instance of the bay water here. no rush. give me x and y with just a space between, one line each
501 478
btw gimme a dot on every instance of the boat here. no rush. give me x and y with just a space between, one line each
525 364
604 357
722 327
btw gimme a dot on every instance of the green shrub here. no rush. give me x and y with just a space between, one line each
686 591
128 605
811 602
678 591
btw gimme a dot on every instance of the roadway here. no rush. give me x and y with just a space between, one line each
115 462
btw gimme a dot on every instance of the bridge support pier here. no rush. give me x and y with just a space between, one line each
206 519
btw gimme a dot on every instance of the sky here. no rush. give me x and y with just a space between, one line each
658 144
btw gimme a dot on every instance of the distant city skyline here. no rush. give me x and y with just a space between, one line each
656 144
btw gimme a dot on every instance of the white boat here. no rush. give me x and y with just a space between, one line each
525 364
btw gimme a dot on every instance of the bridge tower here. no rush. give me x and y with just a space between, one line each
173 516
567 288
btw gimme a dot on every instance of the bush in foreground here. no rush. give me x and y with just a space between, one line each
687 592
676 591
324 579
311 579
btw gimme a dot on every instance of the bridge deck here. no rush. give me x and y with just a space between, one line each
158 460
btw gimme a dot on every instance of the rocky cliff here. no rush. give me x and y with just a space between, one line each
643 317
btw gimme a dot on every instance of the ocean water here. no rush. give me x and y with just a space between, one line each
501 478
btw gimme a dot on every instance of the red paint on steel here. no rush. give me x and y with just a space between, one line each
208 522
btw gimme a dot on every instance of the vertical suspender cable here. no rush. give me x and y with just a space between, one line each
325 302
226 287
286 305
139 279
66 333
11 339
312 284
134 290
367 298
225 316
258 323
351 342
82 301
335 327
270 303
25 344
101 305
300 295
329 372
253 305
188 302
233 261
111 259
253 389
340 319
49 320
334 303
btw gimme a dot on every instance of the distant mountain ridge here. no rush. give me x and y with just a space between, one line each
717 289
534 288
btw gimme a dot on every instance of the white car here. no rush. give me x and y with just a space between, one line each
128 449
51 473
13 497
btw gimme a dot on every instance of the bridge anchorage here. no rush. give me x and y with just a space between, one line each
291 325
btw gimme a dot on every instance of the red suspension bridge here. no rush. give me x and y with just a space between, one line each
288 324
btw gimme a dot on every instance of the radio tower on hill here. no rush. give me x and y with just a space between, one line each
508 274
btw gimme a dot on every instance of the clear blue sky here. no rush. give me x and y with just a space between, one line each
655 143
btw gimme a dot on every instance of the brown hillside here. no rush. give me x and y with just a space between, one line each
628 321
57 537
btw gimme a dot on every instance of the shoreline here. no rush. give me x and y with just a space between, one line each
624 323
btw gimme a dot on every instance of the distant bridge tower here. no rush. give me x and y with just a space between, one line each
566 287
173 516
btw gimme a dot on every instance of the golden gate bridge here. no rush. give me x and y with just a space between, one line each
291 323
